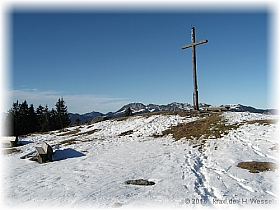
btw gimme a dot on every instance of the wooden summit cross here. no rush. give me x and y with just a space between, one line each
193 44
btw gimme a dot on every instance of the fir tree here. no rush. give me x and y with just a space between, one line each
23 118
16 118
77 121
128 112
62 115
32 120
12 120
40 117
53 120
43 118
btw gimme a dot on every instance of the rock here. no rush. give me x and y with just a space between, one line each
116 205
139 182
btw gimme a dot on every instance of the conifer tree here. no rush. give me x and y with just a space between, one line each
53 120
32 119
128 112
62 116
12 120
23 118
42 118
77 121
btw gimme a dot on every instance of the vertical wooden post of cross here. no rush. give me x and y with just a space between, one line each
193 45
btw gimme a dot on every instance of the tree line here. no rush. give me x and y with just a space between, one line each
23 119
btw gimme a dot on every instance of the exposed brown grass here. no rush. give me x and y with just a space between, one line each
69 132
88 132
87 140
275 147
10 151
212 126
256 167
262 122
126 133
90 126
69 142
76 132
75 140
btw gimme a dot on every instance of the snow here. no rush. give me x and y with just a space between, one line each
91 172
238 117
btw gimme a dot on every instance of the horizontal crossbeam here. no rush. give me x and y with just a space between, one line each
194 44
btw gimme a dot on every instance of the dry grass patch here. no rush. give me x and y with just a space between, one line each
10 151
262 122
275 148
126 133
75 140
69 132
69 142
88 140
256 167
88 132
76 132
212 126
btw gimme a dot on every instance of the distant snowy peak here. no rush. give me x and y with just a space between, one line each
135 107
242 108
138 108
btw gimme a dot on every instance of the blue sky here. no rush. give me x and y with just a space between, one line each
101 60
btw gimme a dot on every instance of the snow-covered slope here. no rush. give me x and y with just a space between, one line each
93 161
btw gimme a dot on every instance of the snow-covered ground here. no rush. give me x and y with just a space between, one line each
90 170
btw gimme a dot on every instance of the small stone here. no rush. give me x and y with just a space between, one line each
116 205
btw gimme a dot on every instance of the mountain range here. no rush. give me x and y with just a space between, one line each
139 108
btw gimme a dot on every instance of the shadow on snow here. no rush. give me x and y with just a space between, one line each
66 153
